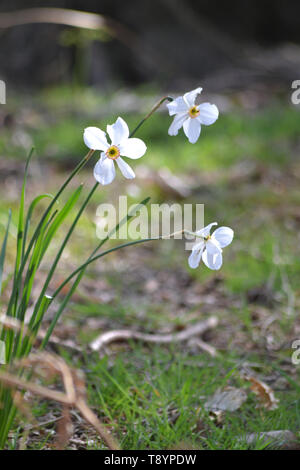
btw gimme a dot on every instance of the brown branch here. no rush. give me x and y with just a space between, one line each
91 418
13 381
118 335
73 396
86 20
64 16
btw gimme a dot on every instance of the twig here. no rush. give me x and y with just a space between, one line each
73 396
211 350
117 335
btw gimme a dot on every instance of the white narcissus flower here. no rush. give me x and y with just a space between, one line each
121 144
209 248
191 116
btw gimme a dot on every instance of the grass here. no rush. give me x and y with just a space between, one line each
153 397
164 386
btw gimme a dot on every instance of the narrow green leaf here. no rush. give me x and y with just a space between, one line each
21 216
3 250
29 216
41 244
58 256
60 218
33 266
36 233
82 271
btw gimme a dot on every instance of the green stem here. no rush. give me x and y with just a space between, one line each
79 270
155 108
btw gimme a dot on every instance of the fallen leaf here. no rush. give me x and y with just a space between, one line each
283 439
263 392
230 399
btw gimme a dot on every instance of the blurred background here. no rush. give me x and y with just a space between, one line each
170 43
83 63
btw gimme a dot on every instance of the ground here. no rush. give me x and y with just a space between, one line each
246 170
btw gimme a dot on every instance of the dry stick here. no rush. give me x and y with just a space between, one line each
64 398
69 398
91 418
13 381
211 350
86 20
117 335
79 403
68 17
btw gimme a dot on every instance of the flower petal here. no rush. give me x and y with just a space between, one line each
195 256
192 129
133 148
177 123
209 113
204 232
95 138
214 262
191 96
212 256
118 132
104 171
126 170
177 106
223 235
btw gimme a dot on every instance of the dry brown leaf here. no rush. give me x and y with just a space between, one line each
263 392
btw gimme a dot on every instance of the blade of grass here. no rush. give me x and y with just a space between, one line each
81 273
21 216
3 250
59 220
57 258
29 216
36 233
41 246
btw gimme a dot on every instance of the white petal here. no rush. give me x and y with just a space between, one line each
223 235
204 232
104 171
192 129
133 148
214 262
177 106
191 96
126 170
209 113
177 123
195 256
95 138
118 132
212 256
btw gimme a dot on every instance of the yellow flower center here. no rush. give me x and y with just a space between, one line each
194 112
207 238
112 152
